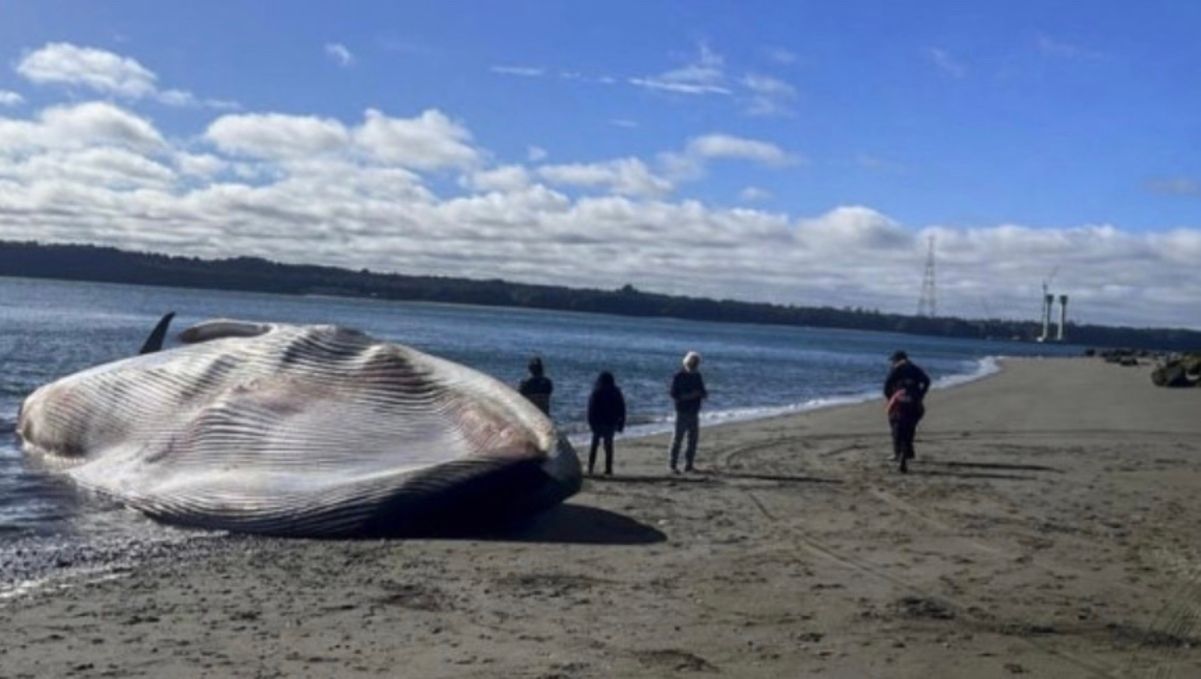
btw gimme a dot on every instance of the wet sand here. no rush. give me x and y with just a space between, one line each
1050 527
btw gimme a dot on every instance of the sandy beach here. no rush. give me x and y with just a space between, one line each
1050 527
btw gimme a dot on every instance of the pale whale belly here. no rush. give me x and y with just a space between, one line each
301 430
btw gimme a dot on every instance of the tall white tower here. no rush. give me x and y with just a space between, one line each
1063 316
1048 305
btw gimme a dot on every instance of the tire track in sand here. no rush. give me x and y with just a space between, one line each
812 544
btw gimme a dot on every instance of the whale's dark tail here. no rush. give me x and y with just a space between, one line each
155 341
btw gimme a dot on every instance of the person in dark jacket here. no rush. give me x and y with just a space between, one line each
537 387
687 390
606 415
905 388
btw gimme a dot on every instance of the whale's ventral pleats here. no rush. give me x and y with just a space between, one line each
301 430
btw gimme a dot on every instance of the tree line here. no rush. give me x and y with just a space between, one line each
111 265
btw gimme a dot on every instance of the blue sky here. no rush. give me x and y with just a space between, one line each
770 151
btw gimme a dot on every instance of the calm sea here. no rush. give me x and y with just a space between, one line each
53 328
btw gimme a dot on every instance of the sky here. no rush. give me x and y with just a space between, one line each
798 153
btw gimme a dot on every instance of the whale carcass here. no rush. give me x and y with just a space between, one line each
311 430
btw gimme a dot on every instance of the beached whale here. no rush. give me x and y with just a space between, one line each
300 430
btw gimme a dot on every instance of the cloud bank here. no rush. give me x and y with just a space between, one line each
415 192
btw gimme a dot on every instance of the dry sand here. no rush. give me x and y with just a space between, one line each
1050 528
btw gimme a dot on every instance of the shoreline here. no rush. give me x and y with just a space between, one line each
986 367
1048 528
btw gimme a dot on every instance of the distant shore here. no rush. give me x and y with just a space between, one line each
1049 528
83 262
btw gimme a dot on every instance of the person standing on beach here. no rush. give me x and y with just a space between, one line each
687 390
905 388
606 415
537 387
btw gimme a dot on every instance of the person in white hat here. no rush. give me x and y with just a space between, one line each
687 390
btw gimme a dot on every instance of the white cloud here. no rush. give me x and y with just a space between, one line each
768 96
199 164
692 162
623 122
946 63
429 141
275 136
758 93
705 74
183 98
753 194
856 227
339 53
535 154
79 126
678 87
729 146
177 98
507 178
9 98
61 63
1181 246
524 71
108 167
624 176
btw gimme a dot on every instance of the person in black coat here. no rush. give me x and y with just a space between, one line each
537 387
606 415
905 388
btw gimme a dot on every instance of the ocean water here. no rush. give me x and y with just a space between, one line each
49 329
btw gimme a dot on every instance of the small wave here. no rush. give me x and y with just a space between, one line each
983 368
58 560
81 576
989 365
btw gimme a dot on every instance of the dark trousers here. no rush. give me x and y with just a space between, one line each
688 426
904 429
599 436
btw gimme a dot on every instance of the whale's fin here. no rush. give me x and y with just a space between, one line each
211 330
154 342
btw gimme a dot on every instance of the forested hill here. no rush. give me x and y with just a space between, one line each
105 264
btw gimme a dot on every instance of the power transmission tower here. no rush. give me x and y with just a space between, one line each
927 305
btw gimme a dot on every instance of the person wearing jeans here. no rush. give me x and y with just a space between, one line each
687 391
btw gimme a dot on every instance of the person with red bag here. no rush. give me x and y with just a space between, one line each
905 388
